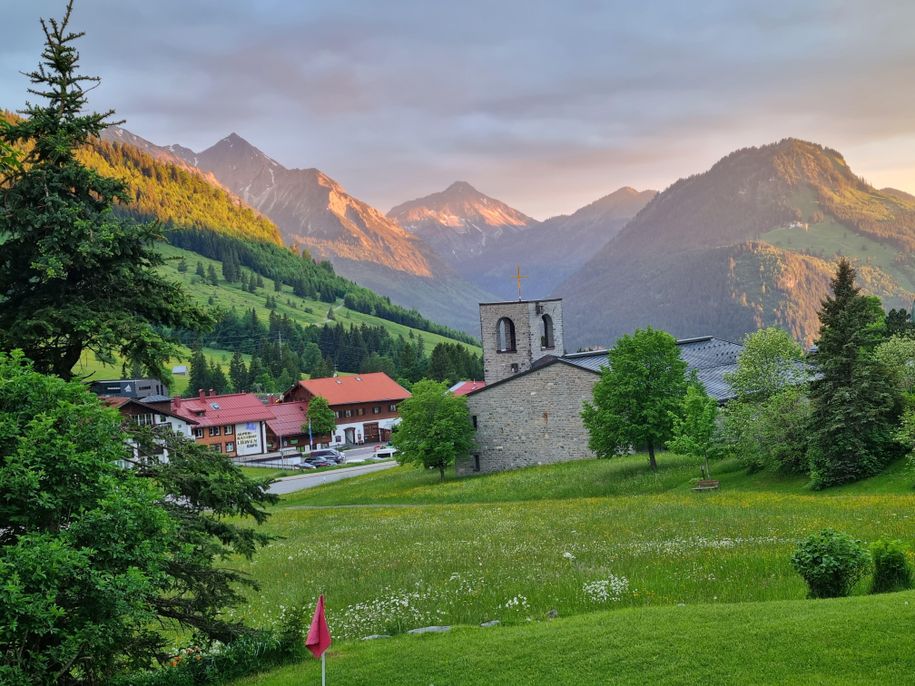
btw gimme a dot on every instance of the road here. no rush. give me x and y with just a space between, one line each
300 482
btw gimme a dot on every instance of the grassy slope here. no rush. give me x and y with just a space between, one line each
829 238
230 295
514 546
849 641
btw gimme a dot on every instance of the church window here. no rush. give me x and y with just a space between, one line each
505 336
474 420
546 332
476 463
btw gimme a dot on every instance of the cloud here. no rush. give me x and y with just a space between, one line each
545 105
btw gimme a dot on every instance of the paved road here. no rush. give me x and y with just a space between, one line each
291 484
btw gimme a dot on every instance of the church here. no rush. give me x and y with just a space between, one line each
528 412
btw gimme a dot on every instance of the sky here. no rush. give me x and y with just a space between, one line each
544 105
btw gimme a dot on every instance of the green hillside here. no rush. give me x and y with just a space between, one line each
306 311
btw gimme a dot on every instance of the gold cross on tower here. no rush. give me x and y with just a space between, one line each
517 277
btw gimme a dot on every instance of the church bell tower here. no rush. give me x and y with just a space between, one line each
517 333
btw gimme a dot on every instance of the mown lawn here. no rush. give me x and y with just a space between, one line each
566 538
861 640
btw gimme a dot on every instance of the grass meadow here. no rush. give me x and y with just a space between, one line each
396 550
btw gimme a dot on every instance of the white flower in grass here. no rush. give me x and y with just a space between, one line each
569 556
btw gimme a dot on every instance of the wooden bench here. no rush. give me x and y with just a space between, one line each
706 485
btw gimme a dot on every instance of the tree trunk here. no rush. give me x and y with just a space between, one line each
651 460
441 471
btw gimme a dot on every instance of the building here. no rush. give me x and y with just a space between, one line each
465 387
285 429
533 416
234 424
365 405
129 388
152 414
517 333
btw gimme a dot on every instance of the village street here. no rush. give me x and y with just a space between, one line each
300 482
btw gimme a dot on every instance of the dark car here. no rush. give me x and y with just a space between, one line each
319 461
334 456
304 465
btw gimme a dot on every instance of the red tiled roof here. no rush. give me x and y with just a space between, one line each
288 418
465 387
233 408
362 388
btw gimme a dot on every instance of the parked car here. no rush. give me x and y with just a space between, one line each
320 461
304 465
334 456
384 452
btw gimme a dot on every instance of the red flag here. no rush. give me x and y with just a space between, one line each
318 635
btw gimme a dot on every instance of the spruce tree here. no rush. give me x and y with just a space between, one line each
199 374
211 275
75 276
201 272
855 404
238 374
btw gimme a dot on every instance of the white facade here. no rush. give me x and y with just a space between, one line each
357 430
249 438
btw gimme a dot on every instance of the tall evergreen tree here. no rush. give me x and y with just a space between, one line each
200 271
238 373
73 275
855 403
198 374
211 275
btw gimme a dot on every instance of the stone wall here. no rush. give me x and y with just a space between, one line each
524 314
532 419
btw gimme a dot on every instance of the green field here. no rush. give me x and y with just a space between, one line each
616 549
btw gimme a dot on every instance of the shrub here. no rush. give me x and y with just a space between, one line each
892 571
830 562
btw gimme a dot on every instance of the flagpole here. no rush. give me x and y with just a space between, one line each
323 671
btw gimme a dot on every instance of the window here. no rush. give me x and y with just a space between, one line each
228 429
474 420
214 431
230 447
198 432
393 407
476 463
514 368
505 336
216 447
348 413
360 411
339 414
376 409
546 332
145 419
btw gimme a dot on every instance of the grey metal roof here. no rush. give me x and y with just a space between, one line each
711 358
155 399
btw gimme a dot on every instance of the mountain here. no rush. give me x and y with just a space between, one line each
315 212
459 222
485 239
751 242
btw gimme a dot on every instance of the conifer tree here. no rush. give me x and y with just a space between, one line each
855 402
211 275
182 266
238 373
201 272
199 373
73 275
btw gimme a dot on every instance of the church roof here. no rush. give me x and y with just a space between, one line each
710 357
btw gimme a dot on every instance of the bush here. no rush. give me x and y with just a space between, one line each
831 563
892 571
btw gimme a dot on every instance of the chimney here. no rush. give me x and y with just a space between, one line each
212 392
176 402
201 394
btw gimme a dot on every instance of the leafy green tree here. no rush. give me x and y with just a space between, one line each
855 402
435 428
321 417
897 355
101 568
73 275
770 361
694 426
639 393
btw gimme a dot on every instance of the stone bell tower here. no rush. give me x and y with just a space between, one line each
517 333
